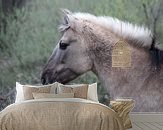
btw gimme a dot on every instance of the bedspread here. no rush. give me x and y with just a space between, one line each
59 114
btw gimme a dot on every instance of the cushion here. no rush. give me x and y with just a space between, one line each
53 89
28 90
123 107
24 92
19 92
92 92
49 95
79 90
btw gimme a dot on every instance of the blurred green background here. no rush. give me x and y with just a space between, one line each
28 34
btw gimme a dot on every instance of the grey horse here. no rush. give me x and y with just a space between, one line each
87 44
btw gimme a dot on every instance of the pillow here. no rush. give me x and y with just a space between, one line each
28 90
19 92
53 89
123 107
24 92
79 90
92 92
49 95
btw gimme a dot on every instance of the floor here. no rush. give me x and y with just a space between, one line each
147 121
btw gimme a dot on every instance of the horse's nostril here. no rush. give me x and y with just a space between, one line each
43 80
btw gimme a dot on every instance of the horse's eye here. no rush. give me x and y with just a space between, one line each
63 45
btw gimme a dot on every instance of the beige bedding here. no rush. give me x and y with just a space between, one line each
59 114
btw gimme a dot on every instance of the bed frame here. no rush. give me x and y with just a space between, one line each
147 121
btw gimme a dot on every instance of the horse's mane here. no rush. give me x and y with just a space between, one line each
141 35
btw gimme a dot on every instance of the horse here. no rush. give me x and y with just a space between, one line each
87 44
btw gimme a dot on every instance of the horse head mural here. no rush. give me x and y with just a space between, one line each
86 45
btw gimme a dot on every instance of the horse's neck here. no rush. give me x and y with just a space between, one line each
140 74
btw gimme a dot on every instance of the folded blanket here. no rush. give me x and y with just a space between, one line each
122 107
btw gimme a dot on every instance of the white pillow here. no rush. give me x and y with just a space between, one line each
19 93
92 92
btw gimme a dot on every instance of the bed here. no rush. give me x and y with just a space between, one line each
65 114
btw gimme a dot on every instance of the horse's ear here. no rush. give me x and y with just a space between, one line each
66 15
68 18
66 11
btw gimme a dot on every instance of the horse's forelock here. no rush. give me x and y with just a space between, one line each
63 27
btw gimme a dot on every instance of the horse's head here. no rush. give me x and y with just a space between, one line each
70 57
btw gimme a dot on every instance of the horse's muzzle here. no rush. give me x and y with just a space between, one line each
65 76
